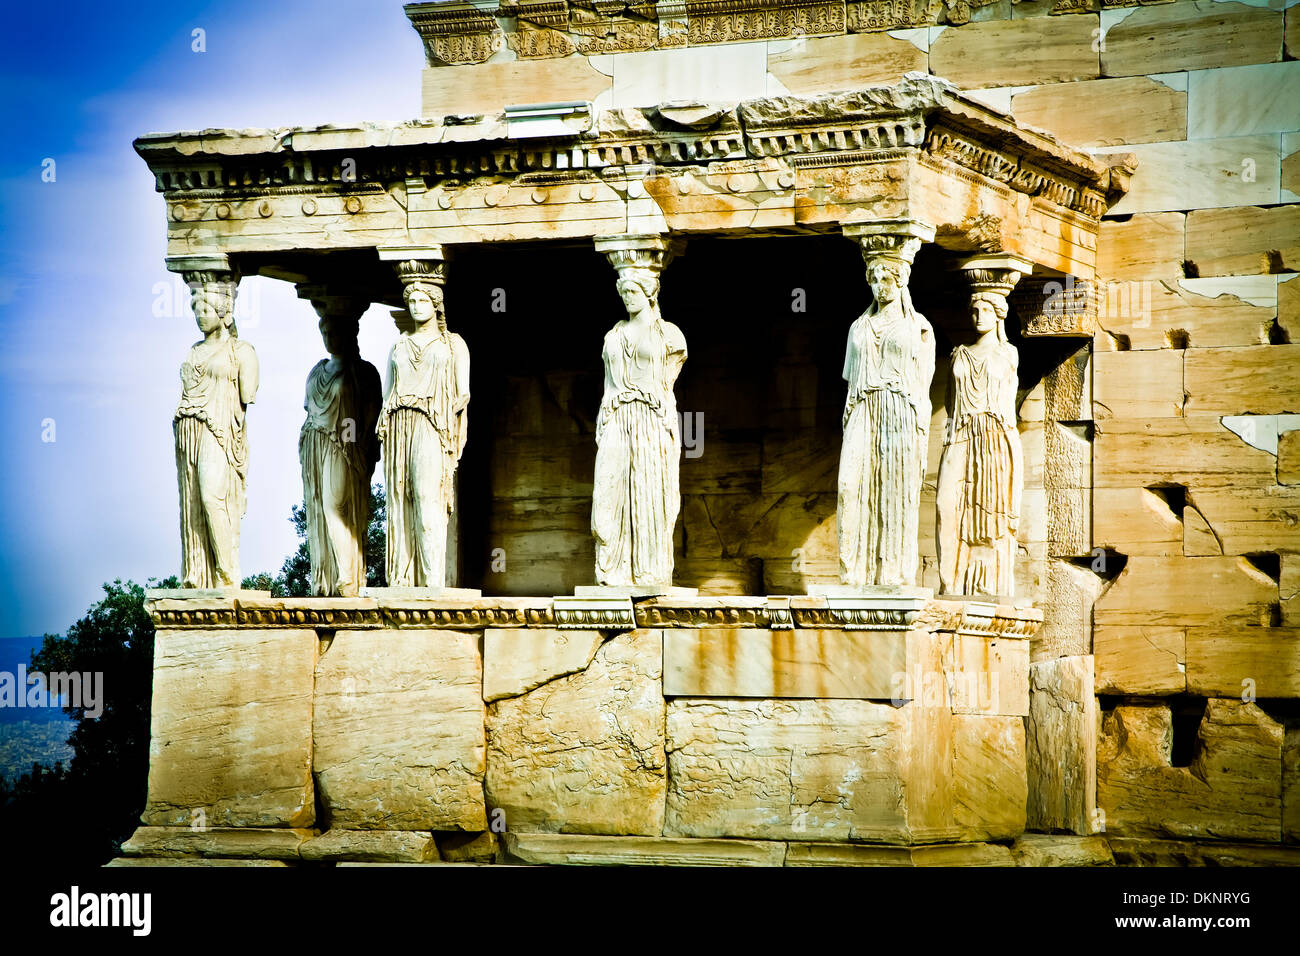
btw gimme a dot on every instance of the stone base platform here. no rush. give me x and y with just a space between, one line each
375 729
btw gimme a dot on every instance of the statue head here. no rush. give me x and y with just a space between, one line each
988 312
338 329
422 290
888 278
639 289
212 297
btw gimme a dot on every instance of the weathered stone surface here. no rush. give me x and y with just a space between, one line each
989 789
1163 314
381 762
1146 246
490 87
1136 521
1229 660
515 660
1243 240
568 849
231 728
1003 53
990 675
821 64
1288 458
1042 849
758 662
1232 789
1256 379
1143 852
152 861
585 753
1135 109
1243 100
1133 659
1200 174
1062 747
808 770
269 843
372 846
1161 39
468 847
1140 385
1196 452
1291 782
1176 592
856 854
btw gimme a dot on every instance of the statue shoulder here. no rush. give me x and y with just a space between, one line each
674 337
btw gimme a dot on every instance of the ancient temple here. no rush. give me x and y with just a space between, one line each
883 536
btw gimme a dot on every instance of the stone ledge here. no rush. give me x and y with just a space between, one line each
781 612
372 846
857 854
572 850
265 843
1140 852
152 861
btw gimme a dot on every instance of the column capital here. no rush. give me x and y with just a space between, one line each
898 239
328 300
639 250
433 251
207 262
997 274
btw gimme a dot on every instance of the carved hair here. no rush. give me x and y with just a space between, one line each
221 287
999 305
644 279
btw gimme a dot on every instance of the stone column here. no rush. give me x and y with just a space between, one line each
218 383
982 473
636 495
423 424
888 365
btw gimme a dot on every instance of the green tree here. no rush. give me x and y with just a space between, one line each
294 579
82 813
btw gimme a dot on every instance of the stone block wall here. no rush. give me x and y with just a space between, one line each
698 730
1169 545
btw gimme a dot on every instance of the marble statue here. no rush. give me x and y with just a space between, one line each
888 365
981 472
338 449
423 427
218 383
636 498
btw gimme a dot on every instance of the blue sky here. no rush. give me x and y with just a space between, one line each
81 260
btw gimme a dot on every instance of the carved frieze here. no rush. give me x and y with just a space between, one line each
731 21
455 33
867 16
1056 306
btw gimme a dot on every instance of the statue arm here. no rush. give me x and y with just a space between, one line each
247 360
461 352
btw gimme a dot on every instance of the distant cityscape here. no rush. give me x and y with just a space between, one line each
28 735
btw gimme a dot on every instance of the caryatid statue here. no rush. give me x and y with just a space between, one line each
981 473
423 427
636 496
888 364
218 383
338 449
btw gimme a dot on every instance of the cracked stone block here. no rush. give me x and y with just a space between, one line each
813 770
231 738
266 843
372 846
1046 849
584 753
1231 790
1291 783
518 659
989 788
1062 746
399 730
